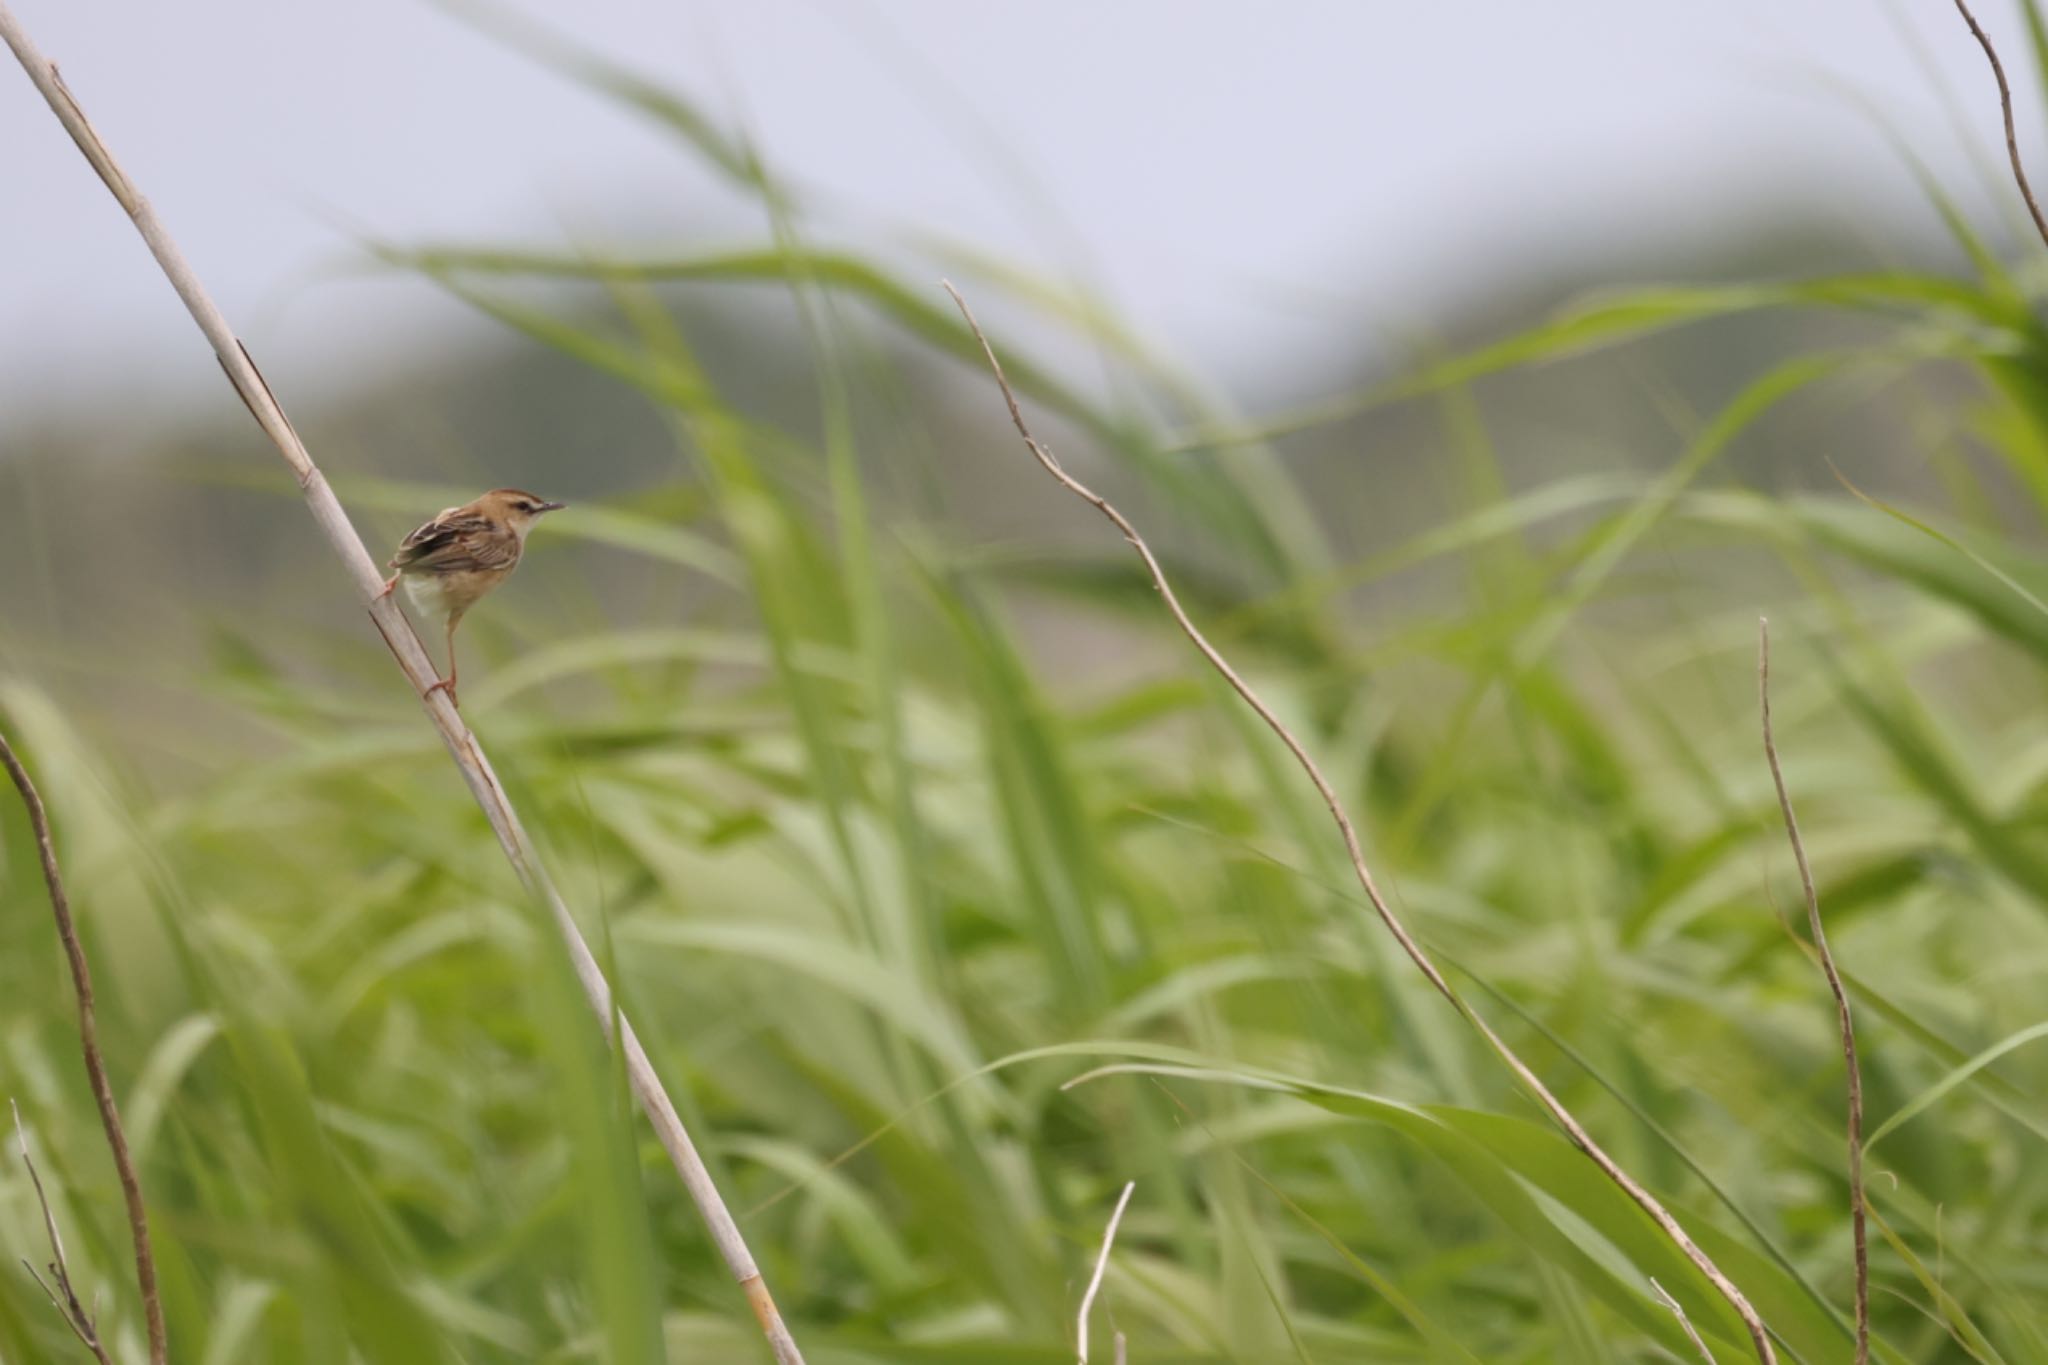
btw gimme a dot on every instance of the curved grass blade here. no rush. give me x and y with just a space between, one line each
1501 1160
1601 322
1952 1315
1933 1094
783 266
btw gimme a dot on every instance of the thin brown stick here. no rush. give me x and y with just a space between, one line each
1101 1267
2012 137
63 1297
419 670
1759 1335
95 1064
1678 1311
1841 993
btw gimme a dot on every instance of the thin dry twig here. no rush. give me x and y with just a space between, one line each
1841 993
1101 1266
1758 1333
84 1325
95 1064
2012 137
412 659
1678 1311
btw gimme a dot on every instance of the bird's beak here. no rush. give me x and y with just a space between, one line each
549 507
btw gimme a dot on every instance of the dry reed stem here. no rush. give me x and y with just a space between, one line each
1857 1204
95 1067
1101 1266
63 1297
419 670
1678 1311
1758 1334
2012 138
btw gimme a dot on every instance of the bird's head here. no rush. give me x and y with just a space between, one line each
517 508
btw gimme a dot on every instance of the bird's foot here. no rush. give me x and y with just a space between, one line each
389 584
445 685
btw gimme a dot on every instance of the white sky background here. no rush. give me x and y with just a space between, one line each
1244 181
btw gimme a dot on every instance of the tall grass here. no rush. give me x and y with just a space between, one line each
952 893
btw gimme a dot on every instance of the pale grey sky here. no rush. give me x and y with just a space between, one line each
1243 181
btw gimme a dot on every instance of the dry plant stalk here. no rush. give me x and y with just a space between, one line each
1759 1335
1857 1204
1678 1311
2012 137
62 1294
1101 1267
102 1093
419 670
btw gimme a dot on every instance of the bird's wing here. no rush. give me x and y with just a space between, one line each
456 541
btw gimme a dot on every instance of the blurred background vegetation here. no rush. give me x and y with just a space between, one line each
895 805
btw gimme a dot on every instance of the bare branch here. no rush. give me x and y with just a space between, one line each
1678 1311
95 1065
1102 1265
412 659
1759 1335
2012 139
1827 965
83 1325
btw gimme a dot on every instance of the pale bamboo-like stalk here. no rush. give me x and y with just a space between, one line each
1759 1335
1101 1268
1678 1311
419 670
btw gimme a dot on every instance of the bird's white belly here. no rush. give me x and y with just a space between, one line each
428 594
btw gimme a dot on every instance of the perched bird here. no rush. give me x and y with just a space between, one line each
464 552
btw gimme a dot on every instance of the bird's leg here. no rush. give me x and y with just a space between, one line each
447 684
389 584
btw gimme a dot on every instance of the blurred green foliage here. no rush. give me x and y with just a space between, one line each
950 892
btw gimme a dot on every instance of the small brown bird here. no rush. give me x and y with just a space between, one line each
452 561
